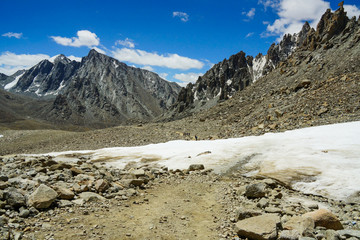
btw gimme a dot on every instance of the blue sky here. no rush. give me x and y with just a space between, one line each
177 39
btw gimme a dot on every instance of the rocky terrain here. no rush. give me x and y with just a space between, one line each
44 199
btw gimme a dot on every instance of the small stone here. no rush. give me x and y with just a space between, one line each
332 235
289 235
263 203
302 224
243 213
24 213
90 196
65 193
101 185
257 190
196 167
350 233
14 198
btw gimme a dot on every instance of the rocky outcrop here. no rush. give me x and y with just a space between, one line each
232 75
106 92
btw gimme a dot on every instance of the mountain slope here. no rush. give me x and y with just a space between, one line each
231 75
106 92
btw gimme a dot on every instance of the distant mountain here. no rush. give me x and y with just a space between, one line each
104 91
46 79
231 75
99 91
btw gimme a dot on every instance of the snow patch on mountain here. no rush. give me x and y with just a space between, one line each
258 67
13 83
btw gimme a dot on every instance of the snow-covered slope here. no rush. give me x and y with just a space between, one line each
320 160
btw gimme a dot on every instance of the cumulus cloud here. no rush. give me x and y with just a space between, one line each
269 3
84 38
173 61
250 14
292 15
149 68
186 78
352 11
12 34
182 15
126 43
11 62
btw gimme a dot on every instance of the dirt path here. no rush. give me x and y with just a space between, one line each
172 209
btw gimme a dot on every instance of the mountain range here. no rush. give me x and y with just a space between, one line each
100 91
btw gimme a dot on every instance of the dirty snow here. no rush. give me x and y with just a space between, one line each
320 160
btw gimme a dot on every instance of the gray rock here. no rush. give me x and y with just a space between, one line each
3 185
259 228
42 197
263 203
24 213
349 233
90 197
14 198
257 190
3 221
132 182
196 167
332 235
243 213
289 235
65 203
138 173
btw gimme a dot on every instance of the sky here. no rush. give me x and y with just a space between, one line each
179 40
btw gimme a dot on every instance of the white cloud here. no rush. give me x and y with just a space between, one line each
11 62
250 13
163 75
249 34
84 38
182 15
352 11
126 43
186 78
149 68
12 34
293 13
99 50
173 61
269 3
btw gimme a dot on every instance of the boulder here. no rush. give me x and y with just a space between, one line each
90 197
257 190
262 227
42 197
325 218
132 182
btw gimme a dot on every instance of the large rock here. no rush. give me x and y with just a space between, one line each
196 167
14 198
348 233
257 190
43 197
262 227
325 218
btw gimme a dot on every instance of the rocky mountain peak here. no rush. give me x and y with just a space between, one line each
61 59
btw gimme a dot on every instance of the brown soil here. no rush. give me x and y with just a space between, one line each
171 209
